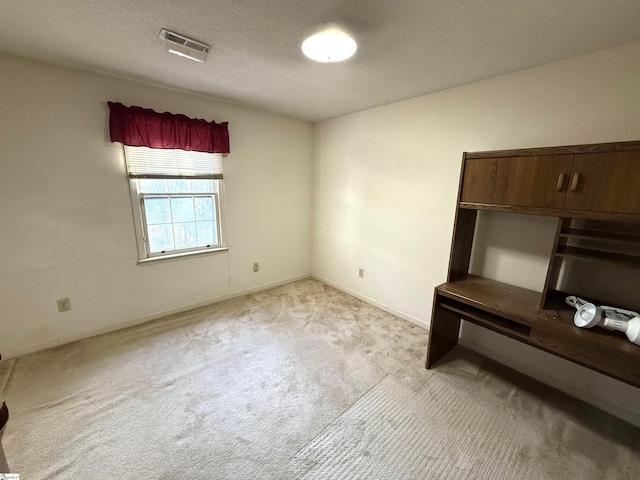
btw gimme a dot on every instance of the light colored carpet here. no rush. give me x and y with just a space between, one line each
298 381
440 431
436 432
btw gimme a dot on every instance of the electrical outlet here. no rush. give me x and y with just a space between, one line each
361 272
256 266
64 304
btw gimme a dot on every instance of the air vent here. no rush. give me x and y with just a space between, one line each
183 46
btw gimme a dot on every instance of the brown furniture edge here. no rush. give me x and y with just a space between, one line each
4 418
560 150
553 212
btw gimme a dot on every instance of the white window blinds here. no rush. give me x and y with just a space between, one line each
155 162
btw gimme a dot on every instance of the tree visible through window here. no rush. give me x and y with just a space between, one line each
179 214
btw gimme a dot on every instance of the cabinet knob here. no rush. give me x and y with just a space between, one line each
574 182
560 184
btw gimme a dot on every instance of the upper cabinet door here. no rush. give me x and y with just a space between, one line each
605 182
531 181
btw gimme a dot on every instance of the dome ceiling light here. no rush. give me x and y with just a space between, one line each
330 44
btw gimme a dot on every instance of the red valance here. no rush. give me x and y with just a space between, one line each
143 127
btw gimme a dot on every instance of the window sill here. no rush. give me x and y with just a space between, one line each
179 256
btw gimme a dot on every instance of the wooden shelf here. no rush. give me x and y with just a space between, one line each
488 320
630 261
552 212
606 237
514 303
514 312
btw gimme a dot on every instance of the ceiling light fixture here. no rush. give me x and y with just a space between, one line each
329 44
185 47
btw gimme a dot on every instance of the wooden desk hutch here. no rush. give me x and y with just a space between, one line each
594 191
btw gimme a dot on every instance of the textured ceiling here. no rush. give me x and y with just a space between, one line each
406 47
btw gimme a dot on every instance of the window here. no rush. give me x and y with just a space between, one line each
177 199
175 172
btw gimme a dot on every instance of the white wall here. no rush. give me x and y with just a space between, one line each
66 226
384 191
386 180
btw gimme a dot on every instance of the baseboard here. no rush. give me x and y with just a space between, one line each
267 286
74 337
375 303
616 410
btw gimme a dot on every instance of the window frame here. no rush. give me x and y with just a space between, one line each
139 218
